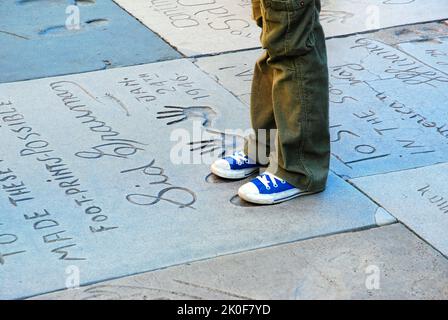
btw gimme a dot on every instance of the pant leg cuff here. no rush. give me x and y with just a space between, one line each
298 180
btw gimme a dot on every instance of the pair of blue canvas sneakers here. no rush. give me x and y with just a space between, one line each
266 188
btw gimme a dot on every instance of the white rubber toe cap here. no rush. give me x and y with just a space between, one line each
221 164
248 190
222 169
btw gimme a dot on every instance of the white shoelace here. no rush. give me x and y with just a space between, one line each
264 180
239 157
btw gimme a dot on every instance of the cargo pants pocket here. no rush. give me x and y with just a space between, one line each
288 26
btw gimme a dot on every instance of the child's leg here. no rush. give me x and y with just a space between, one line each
261 112
295 43
261 107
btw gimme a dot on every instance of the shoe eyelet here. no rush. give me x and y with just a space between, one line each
283 181
275 185
268 188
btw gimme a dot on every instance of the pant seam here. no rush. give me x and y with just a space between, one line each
254 87
303 127
288 30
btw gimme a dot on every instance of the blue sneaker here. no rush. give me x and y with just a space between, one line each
236 166
269 189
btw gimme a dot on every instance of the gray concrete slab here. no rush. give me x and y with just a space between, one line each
49 38
415 32
433 52
418 198
97 175
234 71
202 27
383 263
341 17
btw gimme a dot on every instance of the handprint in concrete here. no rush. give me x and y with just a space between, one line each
221 142
178 114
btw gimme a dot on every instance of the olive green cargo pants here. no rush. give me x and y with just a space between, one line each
290 93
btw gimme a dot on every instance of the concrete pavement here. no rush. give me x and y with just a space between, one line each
110 113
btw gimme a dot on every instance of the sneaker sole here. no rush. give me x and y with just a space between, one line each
267 199
232 174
